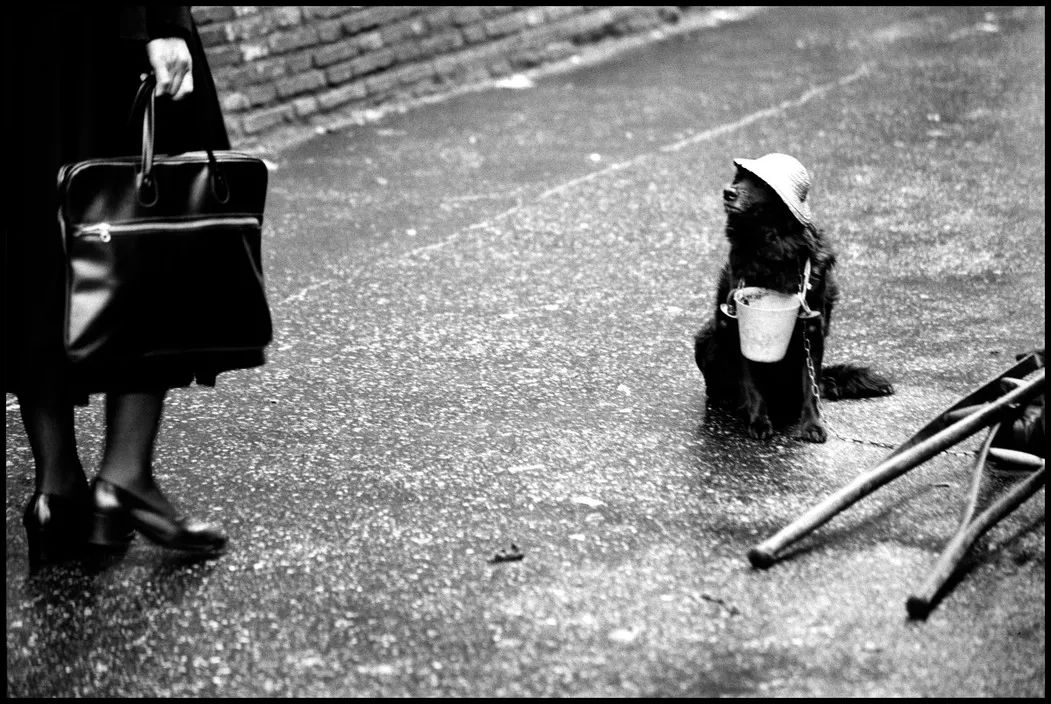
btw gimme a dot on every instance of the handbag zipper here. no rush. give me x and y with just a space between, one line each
67 170
105 230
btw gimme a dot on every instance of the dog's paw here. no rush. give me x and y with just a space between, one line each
885 388
813 431
761 428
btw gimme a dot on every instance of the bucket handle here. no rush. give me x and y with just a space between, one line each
804 286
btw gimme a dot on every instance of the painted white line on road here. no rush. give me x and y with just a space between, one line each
807 96
815 92
301 294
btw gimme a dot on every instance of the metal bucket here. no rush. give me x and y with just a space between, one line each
765 321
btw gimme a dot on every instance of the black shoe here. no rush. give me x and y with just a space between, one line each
56 526
117 513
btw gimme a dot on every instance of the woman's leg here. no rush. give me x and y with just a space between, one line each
47 414
126 496
56 516
133 420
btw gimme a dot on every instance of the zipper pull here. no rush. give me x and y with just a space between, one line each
102 229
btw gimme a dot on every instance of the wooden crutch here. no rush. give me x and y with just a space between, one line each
980 409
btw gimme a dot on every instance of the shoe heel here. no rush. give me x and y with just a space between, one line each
41 549
54 529
110 530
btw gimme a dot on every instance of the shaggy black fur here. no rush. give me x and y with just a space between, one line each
769 248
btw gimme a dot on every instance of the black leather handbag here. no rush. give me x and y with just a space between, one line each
164 254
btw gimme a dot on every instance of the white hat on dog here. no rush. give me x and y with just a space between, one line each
789 179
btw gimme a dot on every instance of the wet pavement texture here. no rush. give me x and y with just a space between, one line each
484 312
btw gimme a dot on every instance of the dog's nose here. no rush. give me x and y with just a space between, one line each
729 194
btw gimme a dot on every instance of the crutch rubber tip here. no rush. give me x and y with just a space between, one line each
918 608
760 558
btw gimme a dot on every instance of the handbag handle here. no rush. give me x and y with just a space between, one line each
147 185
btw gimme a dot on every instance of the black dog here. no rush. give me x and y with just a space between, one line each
771 238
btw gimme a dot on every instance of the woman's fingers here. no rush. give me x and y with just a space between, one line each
185 87
172 65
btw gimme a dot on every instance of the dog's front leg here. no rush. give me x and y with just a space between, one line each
810 426
759 425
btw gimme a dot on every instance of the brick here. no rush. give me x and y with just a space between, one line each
256 72
427 86
339 96
637 23
235 102
213 35
592 25
494 10
266 118
356 22
439 17
329 32
253 51
508 24
475 33
305 106
527 57
394 33
670 13
448 66
360 66
249 28
302 83
554 13
556 51
334 53
414 73
500 67
466 15
369 41
324 11
294 39
286 16
406 51
299 62
373 61
222 56
260 94
376 16
340 73
203 14
442 43
381 83
475 74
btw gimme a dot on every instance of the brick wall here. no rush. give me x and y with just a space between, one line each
282 69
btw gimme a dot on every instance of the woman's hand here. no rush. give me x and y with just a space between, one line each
171 62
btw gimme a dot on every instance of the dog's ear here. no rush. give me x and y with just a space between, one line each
817 242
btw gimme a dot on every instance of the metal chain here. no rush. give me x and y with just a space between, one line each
814 389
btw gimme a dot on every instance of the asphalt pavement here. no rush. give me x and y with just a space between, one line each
484 312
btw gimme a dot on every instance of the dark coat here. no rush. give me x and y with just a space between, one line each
70 76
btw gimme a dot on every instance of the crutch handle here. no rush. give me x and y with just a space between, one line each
1019 460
